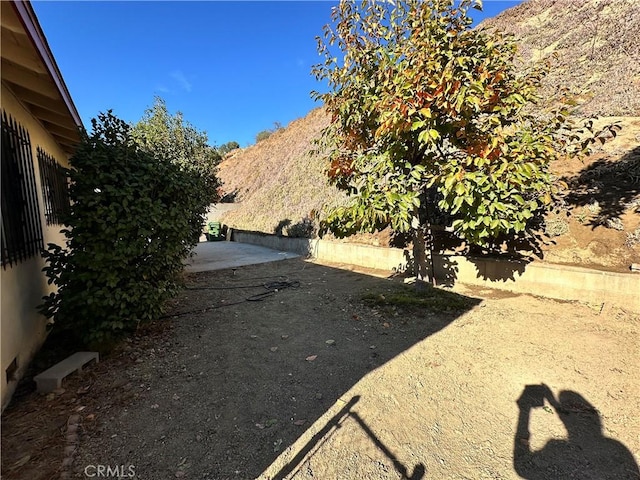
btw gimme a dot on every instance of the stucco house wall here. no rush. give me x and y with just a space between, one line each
34 96
23 285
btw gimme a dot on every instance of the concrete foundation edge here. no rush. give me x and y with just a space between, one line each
561 282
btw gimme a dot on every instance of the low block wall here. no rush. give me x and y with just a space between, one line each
301 246
561 282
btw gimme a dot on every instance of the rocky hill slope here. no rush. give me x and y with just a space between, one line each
277 181
595 45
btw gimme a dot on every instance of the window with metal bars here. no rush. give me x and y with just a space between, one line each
55 188
21 227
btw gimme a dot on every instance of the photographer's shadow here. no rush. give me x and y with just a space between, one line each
585 454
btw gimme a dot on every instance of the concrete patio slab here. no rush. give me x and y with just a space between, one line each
220 255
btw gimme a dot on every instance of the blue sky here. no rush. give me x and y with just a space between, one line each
232 68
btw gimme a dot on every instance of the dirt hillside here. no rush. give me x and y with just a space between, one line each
277 179
596 44
277 182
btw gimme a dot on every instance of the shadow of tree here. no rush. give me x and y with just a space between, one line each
232 386
608 187
282 224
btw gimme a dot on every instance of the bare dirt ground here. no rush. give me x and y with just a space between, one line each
318 382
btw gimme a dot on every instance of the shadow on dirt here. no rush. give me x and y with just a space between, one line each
585 453
231 387
335 423
608 188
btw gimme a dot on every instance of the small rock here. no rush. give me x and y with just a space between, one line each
274 349
311 358
330 342
284 337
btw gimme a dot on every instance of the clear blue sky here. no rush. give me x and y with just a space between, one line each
232 68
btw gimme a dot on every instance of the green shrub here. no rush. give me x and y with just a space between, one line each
134 218
263 135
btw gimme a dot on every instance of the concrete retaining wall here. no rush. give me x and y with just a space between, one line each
301 246
560 282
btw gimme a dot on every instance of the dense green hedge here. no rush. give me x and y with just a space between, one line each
134 219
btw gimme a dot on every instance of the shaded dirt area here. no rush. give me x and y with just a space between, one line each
335 376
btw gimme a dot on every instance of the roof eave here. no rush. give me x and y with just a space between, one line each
27 16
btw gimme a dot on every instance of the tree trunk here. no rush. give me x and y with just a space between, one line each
423 265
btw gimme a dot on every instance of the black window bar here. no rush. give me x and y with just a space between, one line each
55 188
21 226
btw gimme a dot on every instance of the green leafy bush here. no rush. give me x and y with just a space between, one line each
134 218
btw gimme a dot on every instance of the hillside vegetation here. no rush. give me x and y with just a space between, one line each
278 180
593 45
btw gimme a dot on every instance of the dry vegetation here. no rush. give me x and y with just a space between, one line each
594 46
277 179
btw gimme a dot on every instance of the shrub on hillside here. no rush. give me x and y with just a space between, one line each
263 135
134 218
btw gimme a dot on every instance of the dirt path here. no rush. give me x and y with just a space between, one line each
312 382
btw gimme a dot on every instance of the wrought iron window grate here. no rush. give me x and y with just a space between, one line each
55 188
21 225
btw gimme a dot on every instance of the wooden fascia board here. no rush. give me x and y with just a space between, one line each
28 79
52 117
21 55
28 18
30 97
70 134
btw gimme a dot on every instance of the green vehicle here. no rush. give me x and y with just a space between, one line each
214 232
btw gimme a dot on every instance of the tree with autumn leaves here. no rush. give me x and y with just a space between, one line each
422 106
